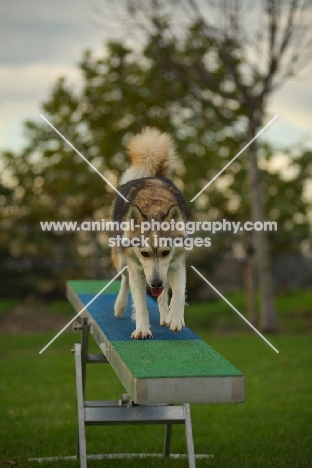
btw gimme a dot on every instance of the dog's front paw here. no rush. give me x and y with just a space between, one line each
119 308
164 317
175 323
141 334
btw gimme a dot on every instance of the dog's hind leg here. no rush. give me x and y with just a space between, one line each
177 281
163 304
122 298
119 262
138 291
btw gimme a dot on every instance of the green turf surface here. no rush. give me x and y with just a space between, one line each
157 358
93 287
272 428
163 358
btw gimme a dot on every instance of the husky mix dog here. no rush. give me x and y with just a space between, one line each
153 261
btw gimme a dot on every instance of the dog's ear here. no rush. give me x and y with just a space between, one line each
135 213
174 213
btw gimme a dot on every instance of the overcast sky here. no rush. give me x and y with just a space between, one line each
43 39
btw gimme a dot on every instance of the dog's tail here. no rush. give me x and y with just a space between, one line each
152 154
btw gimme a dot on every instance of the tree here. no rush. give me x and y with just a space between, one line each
122 91
260 46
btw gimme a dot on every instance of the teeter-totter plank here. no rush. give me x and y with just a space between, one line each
170 367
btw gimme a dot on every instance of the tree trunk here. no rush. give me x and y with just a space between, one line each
249 280
268 321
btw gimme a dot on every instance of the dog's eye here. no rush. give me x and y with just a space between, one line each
165 253
145 254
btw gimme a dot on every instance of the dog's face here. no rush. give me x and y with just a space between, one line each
155 252
155 263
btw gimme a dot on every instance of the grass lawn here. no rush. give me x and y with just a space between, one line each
7 304
38 415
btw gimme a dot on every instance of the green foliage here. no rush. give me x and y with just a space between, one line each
283 193
122 92
170 84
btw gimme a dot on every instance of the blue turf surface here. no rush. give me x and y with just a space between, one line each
102 310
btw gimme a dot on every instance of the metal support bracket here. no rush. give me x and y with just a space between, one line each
125 400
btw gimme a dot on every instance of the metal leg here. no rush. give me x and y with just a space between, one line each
189 436
167 440
77 445
84 349
85 328
81 445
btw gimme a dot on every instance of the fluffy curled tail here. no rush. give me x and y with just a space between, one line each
152 154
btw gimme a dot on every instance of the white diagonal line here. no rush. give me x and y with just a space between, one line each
85 307
82 156
235 310
235 157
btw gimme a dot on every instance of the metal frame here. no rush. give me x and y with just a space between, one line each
123 411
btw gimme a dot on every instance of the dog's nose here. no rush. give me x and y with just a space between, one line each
156 284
